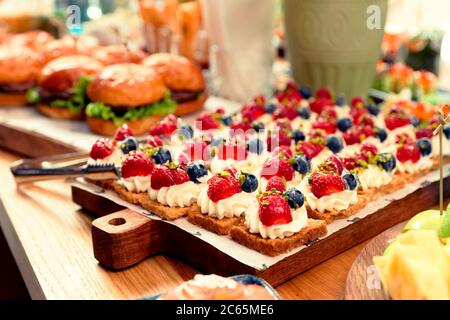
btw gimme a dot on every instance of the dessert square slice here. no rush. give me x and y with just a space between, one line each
273 247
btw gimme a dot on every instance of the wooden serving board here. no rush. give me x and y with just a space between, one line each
123 238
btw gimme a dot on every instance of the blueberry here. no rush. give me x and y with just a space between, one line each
386 161
340 101
414 121
305 92
258 126
351 182
227 120
447 131
424 144
128 145
344 124
186 131
250 183
295 198
196 171
381 134
304 113
334 143
162 156
270 108
217 142
298 135
302 164
373 109
255 146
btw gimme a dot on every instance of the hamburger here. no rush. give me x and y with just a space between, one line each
55 49
184 79
19 69
129 94
35 40
61 87
118 54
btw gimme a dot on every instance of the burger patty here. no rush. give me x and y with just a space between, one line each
16 87
184 96
48 96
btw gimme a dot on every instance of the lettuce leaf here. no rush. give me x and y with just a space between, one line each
33 96
100 110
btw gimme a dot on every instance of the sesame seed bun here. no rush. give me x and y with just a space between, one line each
127 86
19 65
108 128
35 40
110 55
59 48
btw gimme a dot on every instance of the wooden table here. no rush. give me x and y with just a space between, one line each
50 239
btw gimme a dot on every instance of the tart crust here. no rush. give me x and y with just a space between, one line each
219 226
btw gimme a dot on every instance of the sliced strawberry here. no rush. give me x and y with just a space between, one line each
352 136
253 111
323 93
329 112
356 113
318 105
337 164
137 164
327 125
309 149
240 126
350 163
396 119
102 149
237 152
274 210
198 150
167 176
368 150
364 119
366 132
410 152
163 129
285 111
283 152
222 187
206 121
276 139
277 167
123 132
424 133
154 141
326 184
276 183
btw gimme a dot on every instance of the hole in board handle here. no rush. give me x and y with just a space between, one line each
117 221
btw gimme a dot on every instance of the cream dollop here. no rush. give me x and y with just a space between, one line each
233 206
408 129
135 184
115 158
374 177
337 201
320 158
253 222
410 167
181 195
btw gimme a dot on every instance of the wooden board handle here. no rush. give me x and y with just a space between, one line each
125 238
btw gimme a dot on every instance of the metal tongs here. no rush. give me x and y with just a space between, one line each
71 165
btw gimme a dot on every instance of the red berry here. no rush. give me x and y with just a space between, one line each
283 124
276 183
206 122
164 176
323 93
222 187
284 152
252 112
137 164
337 164
364 119
326 184
357 113
350 163
369 149
366 132
123 133
197 151
261 100
276 139
284 111
325 124
154 142
309 149
409 151
163 129
274 210
237 152
396 120
101 149
277 167
183 160
240 127
403 138
424 133
352 136
329 113
319 105
357 102
220 111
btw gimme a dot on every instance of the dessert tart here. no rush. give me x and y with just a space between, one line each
278 222
224 200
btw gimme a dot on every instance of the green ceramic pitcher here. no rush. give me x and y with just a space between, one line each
335 43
